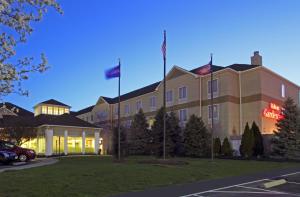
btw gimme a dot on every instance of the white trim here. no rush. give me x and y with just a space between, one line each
137 110
180 69
187 117
48 125
168 103
218 113
215 95
241 107
152 108
182 100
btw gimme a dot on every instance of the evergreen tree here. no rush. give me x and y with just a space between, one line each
173 135
217 146
140 135
285 143
247 143
258 148
157 133
226 148
123 142
196 138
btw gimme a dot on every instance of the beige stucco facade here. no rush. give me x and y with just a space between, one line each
241 97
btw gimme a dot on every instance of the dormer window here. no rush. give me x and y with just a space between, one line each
51 107
50 110
44 109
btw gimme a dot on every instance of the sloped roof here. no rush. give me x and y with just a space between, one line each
43 119
214 68
62 120
135 93
83 111
17 109
54 102
242 67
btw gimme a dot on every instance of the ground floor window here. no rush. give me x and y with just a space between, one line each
58 145
89 145
74 144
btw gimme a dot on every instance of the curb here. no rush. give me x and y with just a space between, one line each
274 183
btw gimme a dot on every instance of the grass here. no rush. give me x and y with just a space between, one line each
100 176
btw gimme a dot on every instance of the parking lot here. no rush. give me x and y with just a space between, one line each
256 189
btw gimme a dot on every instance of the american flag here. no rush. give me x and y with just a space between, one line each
203 70
164 46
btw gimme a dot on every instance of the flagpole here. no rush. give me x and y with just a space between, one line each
212 107
164 99
119 129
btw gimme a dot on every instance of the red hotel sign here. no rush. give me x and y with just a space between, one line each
273 111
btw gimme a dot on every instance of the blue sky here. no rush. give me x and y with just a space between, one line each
92 34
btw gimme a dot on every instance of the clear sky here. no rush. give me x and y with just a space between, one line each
93 34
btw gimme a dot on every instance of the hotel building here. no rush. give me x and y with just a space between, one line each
242 93
58 131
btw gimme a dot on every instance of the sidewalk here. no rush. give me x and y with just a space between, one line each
32 164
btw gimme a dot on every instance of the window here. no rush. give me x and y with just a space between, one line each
182 93
127 109
61 111
67 110
116 110
152 102
55 110
169 96
214 88
282 90
183 115
92 118
44 109
138 105
215 112
50 110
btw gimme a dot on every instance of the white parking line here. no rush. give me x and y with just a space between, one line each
241 184
293 182
260 189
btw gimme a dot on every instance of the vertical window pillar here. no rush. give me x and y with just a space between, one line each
49 142
97 137
66 142
83 142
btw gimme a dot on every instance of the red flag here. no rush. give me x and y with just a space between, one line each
164 46
203 70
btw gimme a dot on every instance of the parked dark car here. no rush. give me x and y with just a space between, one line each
23 154
7 157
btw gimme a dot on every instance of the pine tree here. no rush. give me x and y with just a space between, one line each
226 148
258 148
196 138
174 136
123 142
157 133
217 146
140 135
285 143
247 143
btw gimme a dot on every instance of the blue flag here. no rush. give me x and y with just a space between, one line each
113 72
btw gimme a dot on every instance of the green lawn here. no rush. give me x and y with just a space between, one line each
99 176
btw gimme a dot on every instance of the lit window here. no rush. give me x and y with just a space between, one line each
55 110
127 109
50 110
182 93
169 96
215 112
44 109
214 87
152 102
61 111
67 110
282 90
138 105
